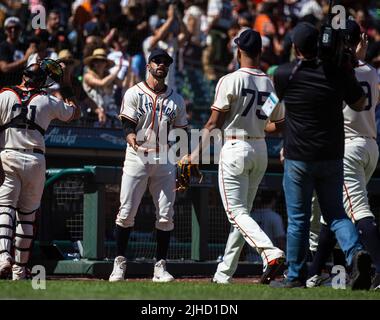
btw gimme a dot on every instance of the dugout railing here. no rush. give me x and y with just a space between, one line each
76 224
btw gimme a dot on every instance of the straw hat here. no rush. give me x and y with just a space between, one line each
66 56
98 54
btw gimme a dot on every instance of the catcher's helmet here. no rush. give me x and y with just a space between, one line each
39 73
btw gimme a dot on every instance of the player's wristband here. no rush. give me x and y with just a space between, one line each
67 92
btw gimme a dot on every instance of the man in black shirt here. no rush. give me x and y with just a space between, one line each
313 92
12 58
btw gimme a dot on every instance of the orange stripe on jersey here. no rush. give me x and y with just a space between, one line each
219 110
144 91
9 89
72 116
352 214
155 93
229 212
163 103
129 118
218 87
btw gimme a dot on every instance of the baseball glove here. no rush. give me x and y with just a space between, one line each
185 172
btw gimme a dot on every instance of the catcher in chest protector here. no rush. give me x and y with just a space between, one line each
237 110
149 109
26 111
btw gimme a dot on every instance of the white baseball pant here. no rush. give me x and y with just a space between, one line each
360 160
241 168
160 178
20 197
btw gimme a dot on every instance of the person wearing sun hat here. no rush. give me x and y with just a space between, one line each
98 55
67 58
69 63
100 85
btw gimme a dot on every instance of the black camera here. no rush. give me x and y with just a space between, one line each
334 46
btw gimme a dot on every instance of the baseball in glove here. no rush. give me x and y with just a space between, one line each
186 171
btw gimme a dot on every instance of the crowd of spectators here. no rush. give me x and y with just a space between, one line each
107 41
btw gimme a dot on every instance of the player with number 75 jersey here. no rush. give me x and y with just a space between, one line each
241 95
243 159
243 162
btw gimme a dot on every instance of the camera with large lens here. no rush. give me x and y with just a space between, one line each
333 45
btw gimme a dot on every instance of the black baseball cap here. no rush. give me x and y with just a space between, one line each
159 53
249 41
352 32
305 37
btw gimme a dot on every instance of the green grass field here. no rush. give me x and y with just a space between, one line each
194 290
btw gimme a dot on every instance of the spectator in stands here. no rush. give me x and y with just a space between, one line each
134 28
82 12
233 32
373 52
57 34
41 39
245 19
215 56
286 50
119 50
98 25
12 58
263 23
100 85
192 51
92 43
86 104
169 35
312 7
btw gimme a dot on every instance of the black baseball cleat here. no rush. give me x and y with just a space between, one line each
287 284
272 270
361 271
376 282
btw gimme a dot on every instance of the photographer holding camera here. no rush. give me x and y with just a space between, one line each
313 92
361 155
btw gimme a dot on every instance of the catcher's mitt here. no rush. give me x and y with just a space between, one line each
185 172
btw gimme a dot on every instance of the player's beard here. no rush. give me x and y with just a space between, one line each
159 73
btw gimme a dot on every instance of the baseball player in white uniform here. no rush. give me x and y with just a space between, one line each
243 158
25 114
148 111
360 160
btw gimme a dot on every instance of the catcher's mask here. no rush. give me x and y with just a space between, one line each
43 74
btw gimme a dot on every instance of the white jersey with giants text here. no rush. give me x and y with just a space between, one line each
151 111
